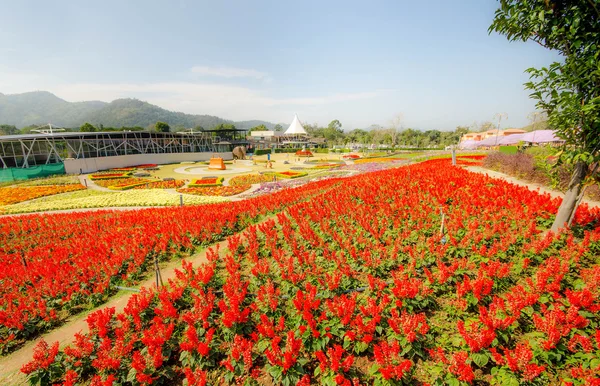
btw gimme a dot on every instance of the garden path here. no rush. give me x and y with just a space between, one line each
91 185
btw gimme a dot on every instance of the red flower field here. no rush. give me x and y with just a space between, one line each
55 265
357 286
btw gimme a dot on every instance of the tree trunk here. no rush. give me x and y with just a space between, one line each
569 204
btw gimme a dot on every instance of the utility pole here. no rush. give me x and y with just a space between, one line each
499 116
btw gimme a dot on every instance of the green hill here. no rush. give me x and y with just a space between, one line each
40 107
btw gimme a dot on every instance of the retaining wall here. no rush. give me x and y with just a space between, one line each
90 165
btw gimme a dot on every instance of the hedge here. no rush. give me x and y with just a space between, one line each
290 150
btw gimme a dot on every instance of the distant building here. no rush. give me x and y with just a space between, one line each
294 137
490 134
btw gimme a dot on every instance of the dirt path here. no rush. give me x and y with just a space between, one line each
530 185
11 364
88 183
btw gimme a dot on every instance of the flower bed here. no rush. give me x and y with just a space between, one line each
362 288
13 195
57 264
146 166
128 169
378 160
57 180
326 166
351 156
304 153
290 174
108 176
215 190
108 183
470 160
249 179
206 182
130 184
174 184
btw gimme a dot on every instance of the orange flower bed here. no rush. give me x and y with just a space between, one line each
19 194
305 153
215 190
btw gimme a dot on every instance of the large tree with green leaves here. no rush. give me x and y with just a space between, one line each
259 128
569 90
87 127
162 127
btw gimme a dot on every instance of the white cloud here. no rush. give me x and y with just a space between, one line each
200 98
229 72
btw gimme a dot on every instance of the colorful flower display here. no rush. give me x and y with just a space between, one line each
363 286
290 174
13 195
54 264
215 190
249 179
214 181
173 184
129 183
108 176
97 199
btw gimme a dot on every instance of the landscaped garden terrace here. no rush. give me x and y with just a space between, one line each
360 282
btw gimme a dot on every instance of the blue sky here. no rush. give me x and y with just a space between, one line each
362 62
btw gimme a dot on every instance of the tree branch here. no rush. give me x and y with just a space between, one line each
594 6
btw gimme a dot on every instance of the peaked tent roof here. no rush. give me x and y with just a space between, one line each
296 127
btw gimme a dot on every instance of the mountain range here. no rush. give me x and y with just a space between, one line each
41 107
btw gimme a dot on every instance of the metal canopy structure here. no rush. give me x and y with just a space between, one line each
29 150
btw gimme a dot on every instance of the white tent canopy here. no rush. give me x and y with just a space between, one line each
296 128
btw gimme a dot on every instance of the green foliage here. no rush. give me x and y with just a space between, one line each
87 127
278 127
259 128
568 90
224 126
162 127
262 151
509 149
8 130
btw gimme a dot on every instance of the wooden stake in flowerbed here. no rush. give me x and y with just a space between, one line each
157 272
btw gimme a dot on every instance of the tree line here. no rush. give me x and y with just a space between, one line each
332 133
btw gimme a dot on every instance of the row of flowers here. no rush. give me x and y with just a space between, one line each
13 195
215 190
109 176
171 184
289 174
249 179
51 266
364 289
